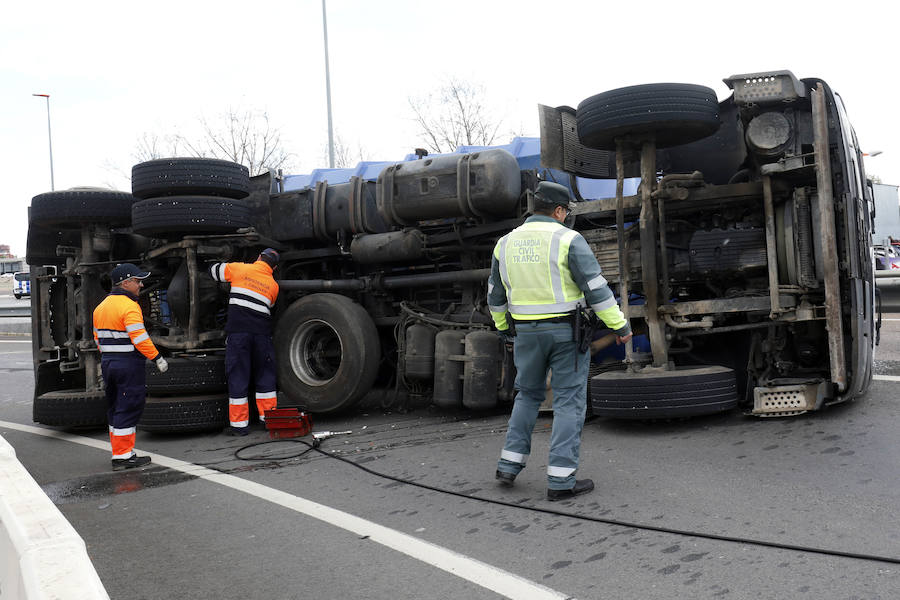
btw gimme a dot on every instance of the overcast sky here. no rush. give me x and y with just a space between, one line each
118 70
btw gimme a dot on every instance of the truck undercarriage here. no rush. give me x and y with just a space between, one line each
744 260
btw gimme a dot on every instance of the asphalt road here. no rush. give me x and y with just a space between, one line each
315 527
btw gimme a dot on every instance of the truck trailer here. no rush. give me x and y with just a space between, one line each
744 260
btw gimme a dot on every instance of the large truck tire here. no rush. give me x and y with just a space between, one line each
684 392
198 374
190 177
328 353
71 208
184 414
70 408
673 113
189 214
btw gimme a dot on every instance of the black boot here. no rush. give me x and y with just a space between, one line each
505 478
120 464
582 486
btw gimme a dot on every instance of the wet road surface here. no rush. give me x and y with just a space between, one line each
214 526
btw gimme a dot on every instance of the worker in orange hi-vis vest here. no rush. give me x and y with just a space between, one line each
124 345
248 347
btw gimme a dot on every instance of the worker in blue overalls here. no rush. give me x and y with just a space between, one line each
248 347
124 346
541 273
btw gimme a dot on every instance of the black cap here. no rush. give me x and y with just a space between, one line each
272 253
126 271
550 195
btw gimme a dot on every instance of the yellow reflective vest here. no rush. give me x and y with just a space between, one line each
534 269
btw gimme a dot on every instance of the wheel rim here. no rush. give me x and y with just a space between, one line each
316 352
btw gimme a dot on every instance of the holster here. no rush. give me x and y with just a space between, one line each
576 328
584 324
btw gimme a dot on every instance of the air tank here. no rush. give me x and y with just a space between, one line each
322 211
482 370
394 246
346 207
419 357
449 348
481 184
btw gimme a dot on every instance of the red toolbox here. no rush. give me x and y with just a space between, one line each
287 422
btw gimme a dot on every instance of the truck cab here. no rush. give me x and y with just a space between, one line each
748 243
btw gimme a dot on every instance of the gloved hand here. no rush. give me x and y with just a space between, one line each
506 336
162 365
623 339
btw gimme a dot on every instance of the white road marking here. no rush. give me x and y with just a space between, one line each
5 341
502 582
890 319
16 352
886 377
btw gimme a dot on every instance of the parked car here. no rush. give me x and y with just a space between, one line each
887 258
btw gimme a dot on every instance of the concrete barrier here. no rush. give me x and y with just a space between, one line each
15 326
41 554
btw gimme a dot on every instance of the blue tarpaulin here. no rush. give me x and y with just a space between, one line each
527 151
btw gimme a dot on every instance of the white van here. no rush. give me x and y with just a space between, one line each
21 285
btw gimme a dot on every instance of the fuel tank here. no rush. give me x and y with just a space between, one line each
419 359
323 211
483 184
376 248
481 373
449 352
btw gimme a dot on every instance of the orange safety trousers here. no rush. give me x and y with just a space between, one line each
126 391
239 408
249 355
122 442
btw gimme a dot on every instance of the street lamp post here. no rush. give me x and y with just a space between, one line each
328 90
49 139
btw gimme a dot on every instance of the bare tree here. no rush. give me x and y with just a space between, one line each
455 115
345 155
246 137
151 146
242 136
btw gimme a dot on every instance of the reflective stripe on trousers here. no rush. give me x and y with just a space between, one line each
125 381
249 355
238 412
539 347
122 442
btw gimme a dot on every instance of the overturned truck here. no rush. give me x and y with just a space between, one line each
743 259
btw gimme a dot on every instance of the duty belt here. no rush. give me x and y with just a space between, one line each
561 319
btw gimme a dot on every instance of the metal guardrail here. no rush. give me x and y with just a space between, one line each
887 274
15 311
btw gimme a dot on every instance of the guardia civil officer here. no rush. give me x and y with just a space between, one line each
124 345
541 273
248 347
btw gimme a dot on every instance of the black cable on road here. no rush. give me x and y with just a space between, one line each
237 453
549 511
